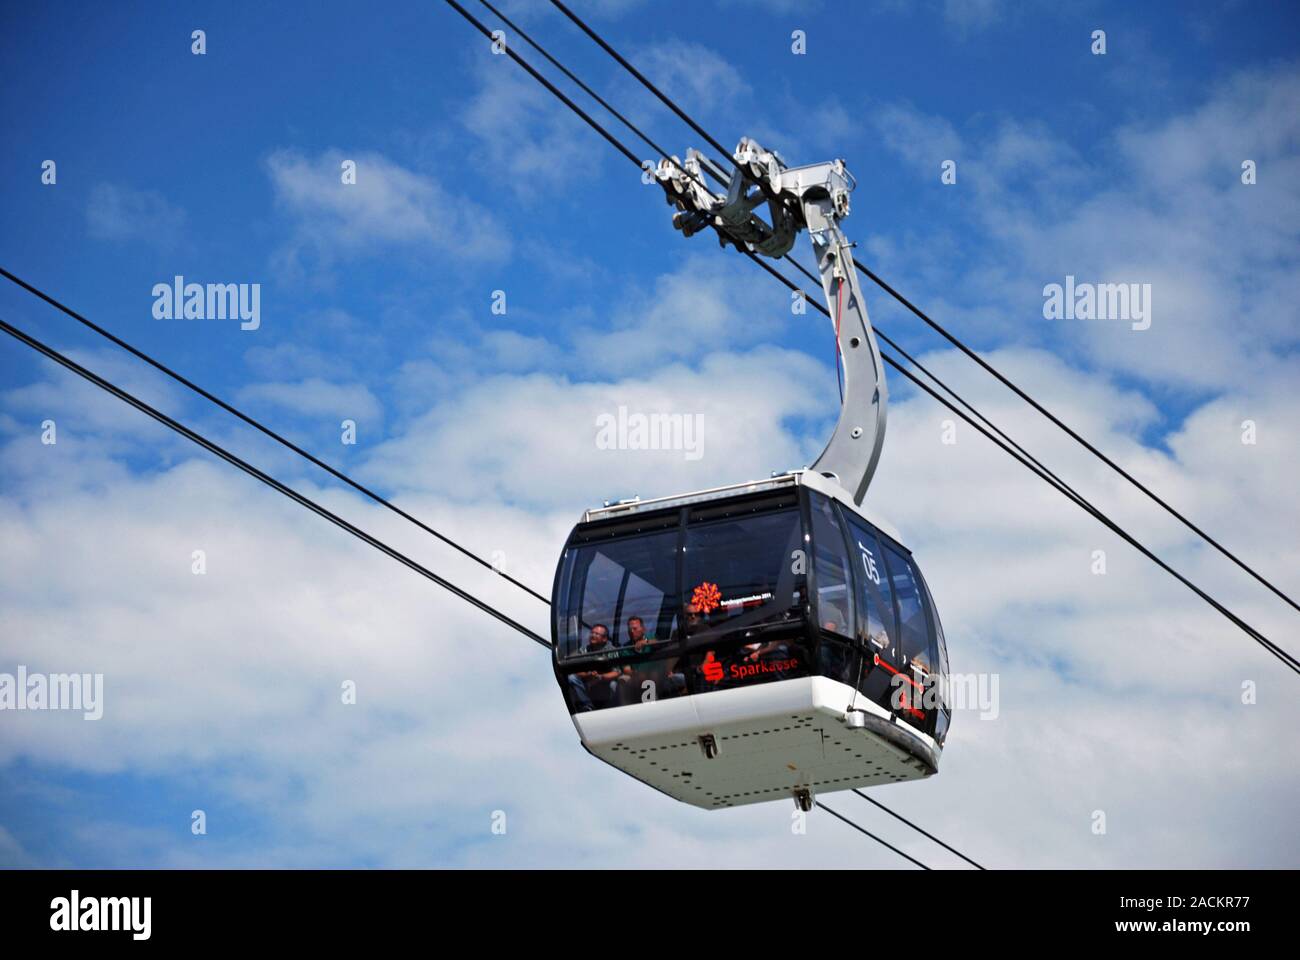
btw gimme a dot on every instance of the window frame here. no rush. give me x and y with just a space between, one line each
863 625
929 723
680 521
836 520
798 509
567 604
940 642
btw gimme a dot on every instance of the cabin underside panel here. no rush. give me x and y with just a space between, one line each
771 740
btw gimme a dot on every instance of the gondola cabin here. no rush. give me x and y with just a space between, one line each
749 643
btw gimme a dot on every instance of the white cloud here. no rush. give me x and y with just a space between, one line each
971 15
316 397
529 142
12 853
690 72
710 304
1118 693
120 213
924 141
498 429
1221 257
339 344
388 208
530 10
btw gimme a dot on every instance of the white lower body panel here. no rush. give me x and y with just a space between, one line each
772 740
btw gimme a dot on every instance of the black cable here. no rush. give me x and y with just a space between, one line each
267 479
585 89
338 521
883 335
1061 486
638 132
648 85
1046 475
265 430
608 136
935 325
885 843
897 816
1084 504
1240 623
613 141
866 271
635 130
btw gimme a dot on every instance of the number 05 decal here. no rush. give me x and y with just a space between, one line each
869 564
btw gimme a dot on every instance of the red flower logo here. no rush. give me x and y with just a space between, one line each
706 597
712 669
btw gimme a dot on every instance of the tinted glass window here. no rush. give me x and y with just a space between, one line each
943 719
942 723
609 585
618 681
916 655
913 628
875 598
831 568
942 646
743 573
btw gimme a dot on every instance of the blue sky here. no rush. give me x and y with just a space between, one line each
375 306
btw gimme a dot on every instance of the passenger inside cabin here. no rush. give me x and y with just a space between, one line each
593 688
666 676
597 639
757 651
636 634
694 619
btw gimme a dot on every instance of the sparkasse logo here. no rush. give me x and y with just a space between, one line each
712 668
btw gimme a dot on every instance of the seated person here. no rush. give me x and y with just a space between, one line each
597 640
694 619
636 637
667 679
603 687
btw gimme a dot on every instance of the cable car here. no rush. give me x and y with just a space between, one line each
765 639
750 643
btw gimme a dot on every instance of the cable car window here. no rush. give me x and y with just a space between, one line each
913 632
943 719
615 582
875 598
942 645
743 573
831 569
639 623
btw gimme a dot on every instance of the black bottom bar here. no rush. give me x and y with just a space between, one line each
468 911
